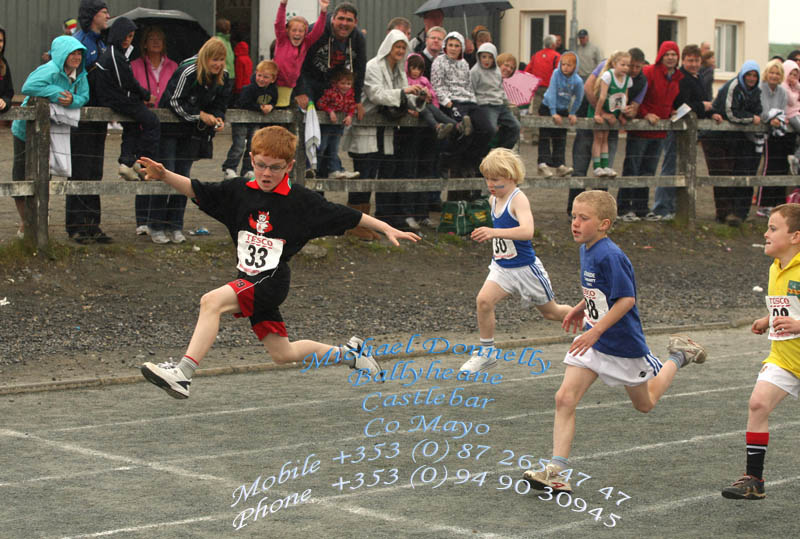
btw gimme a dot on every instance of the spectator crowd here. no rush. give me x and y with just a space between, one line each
459 86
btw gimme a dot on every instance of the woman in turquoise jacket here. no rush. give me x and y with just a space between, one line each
62 80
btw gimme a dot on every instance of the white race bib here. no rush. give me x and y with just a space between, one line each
617 102
256 253
503 249
782 306
596 305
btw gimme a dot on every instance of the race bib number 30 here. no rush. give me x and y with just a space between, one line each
256 253
503 249
596 304
782 306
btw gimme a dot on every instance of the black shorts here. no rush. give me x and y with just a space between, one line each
259 297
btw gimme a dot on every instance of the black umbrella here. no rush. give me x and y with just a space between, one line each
454 8
184 34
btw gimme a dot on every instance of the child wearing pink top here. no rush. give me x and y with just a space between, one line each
430 114
292 41
791 74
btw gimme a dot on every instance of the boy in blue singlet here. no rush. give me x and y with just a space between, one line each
612 347
515 267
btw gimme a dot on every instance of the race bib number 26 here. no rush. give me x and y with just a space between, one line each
256 253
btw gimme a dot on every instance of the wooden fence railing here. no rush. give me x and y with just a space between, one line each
39 186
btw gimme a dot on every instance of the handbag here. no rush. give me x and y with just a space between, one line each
200 142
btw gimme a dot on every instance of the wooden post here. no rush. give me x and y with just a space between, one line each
298 127
687 167
37 169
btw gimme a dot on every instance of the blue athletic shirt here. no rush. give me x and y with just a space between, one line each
606 275
510 253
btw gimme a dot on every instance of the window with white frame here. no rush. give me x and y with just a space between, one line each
726 43
537 25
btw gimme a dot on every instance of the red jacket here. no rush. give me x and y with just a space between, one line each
243 66
661 91
542 65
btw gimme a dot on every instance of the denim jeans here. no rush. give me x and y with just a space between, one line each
240 147
165 212
500 120
641 159
328 151
665 196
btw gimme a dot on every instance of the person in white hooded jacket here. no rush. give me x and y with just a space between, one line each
487 83
450 78
372 148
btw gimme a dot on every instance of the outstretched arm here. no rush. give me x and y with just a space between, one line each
390 232
156 171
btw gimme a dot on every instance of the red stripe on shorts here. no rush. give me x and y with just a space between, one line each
262 329
245 293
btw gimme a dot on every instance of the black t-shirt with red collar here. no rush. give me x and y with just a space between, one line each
268 228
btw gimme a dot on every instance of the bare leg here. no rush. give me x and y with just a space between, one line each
554 311
763 400
645 396
576 381
212 305
20 203
489 296
283 351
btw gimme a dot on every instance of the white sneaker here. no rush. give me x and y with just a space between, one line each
177 236
478 363
229 174
652 217
564 170
168 377
549 477
412 223
428 222
545 171
692 352
362 362
600 172
631 217
128 174
794 164
610 172
142 230
159 236
338 175
352 175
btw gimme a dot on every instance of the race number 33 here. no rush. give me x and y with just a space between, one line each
256 253
503 249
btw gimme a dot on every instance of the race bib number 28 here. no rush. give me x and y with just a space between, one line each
256 253
782 306
596 304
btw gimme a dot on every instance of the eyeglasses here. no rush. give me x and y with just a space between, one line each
272 168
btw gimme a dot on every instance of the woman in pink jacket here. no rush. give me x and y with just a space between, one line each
292 41
152 70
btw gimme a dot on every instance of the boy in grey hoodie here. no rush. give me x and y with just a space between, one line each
487 83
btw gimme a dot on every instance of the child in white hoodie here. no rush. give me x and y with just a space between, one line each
487 83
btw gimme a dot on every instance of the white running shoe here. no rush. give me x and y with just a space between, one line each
564 170
352 175
229 174
338 175
168 377
691 351
177 236
478 363
159 236
794 164
128 173
630 217
600 172
549 477
412 223
362 362
545 171
610 172
142 230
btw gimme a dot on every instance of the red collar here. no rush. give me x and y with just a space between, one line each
282 188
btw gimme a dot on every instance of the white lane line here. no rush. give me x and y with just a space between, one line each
134 529
199 415
73 448
656 508
66 477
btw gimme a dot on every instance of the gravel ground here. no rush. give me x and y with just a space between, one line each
102 310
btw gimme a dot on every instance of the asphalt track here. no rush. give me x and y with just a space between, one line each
129 461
